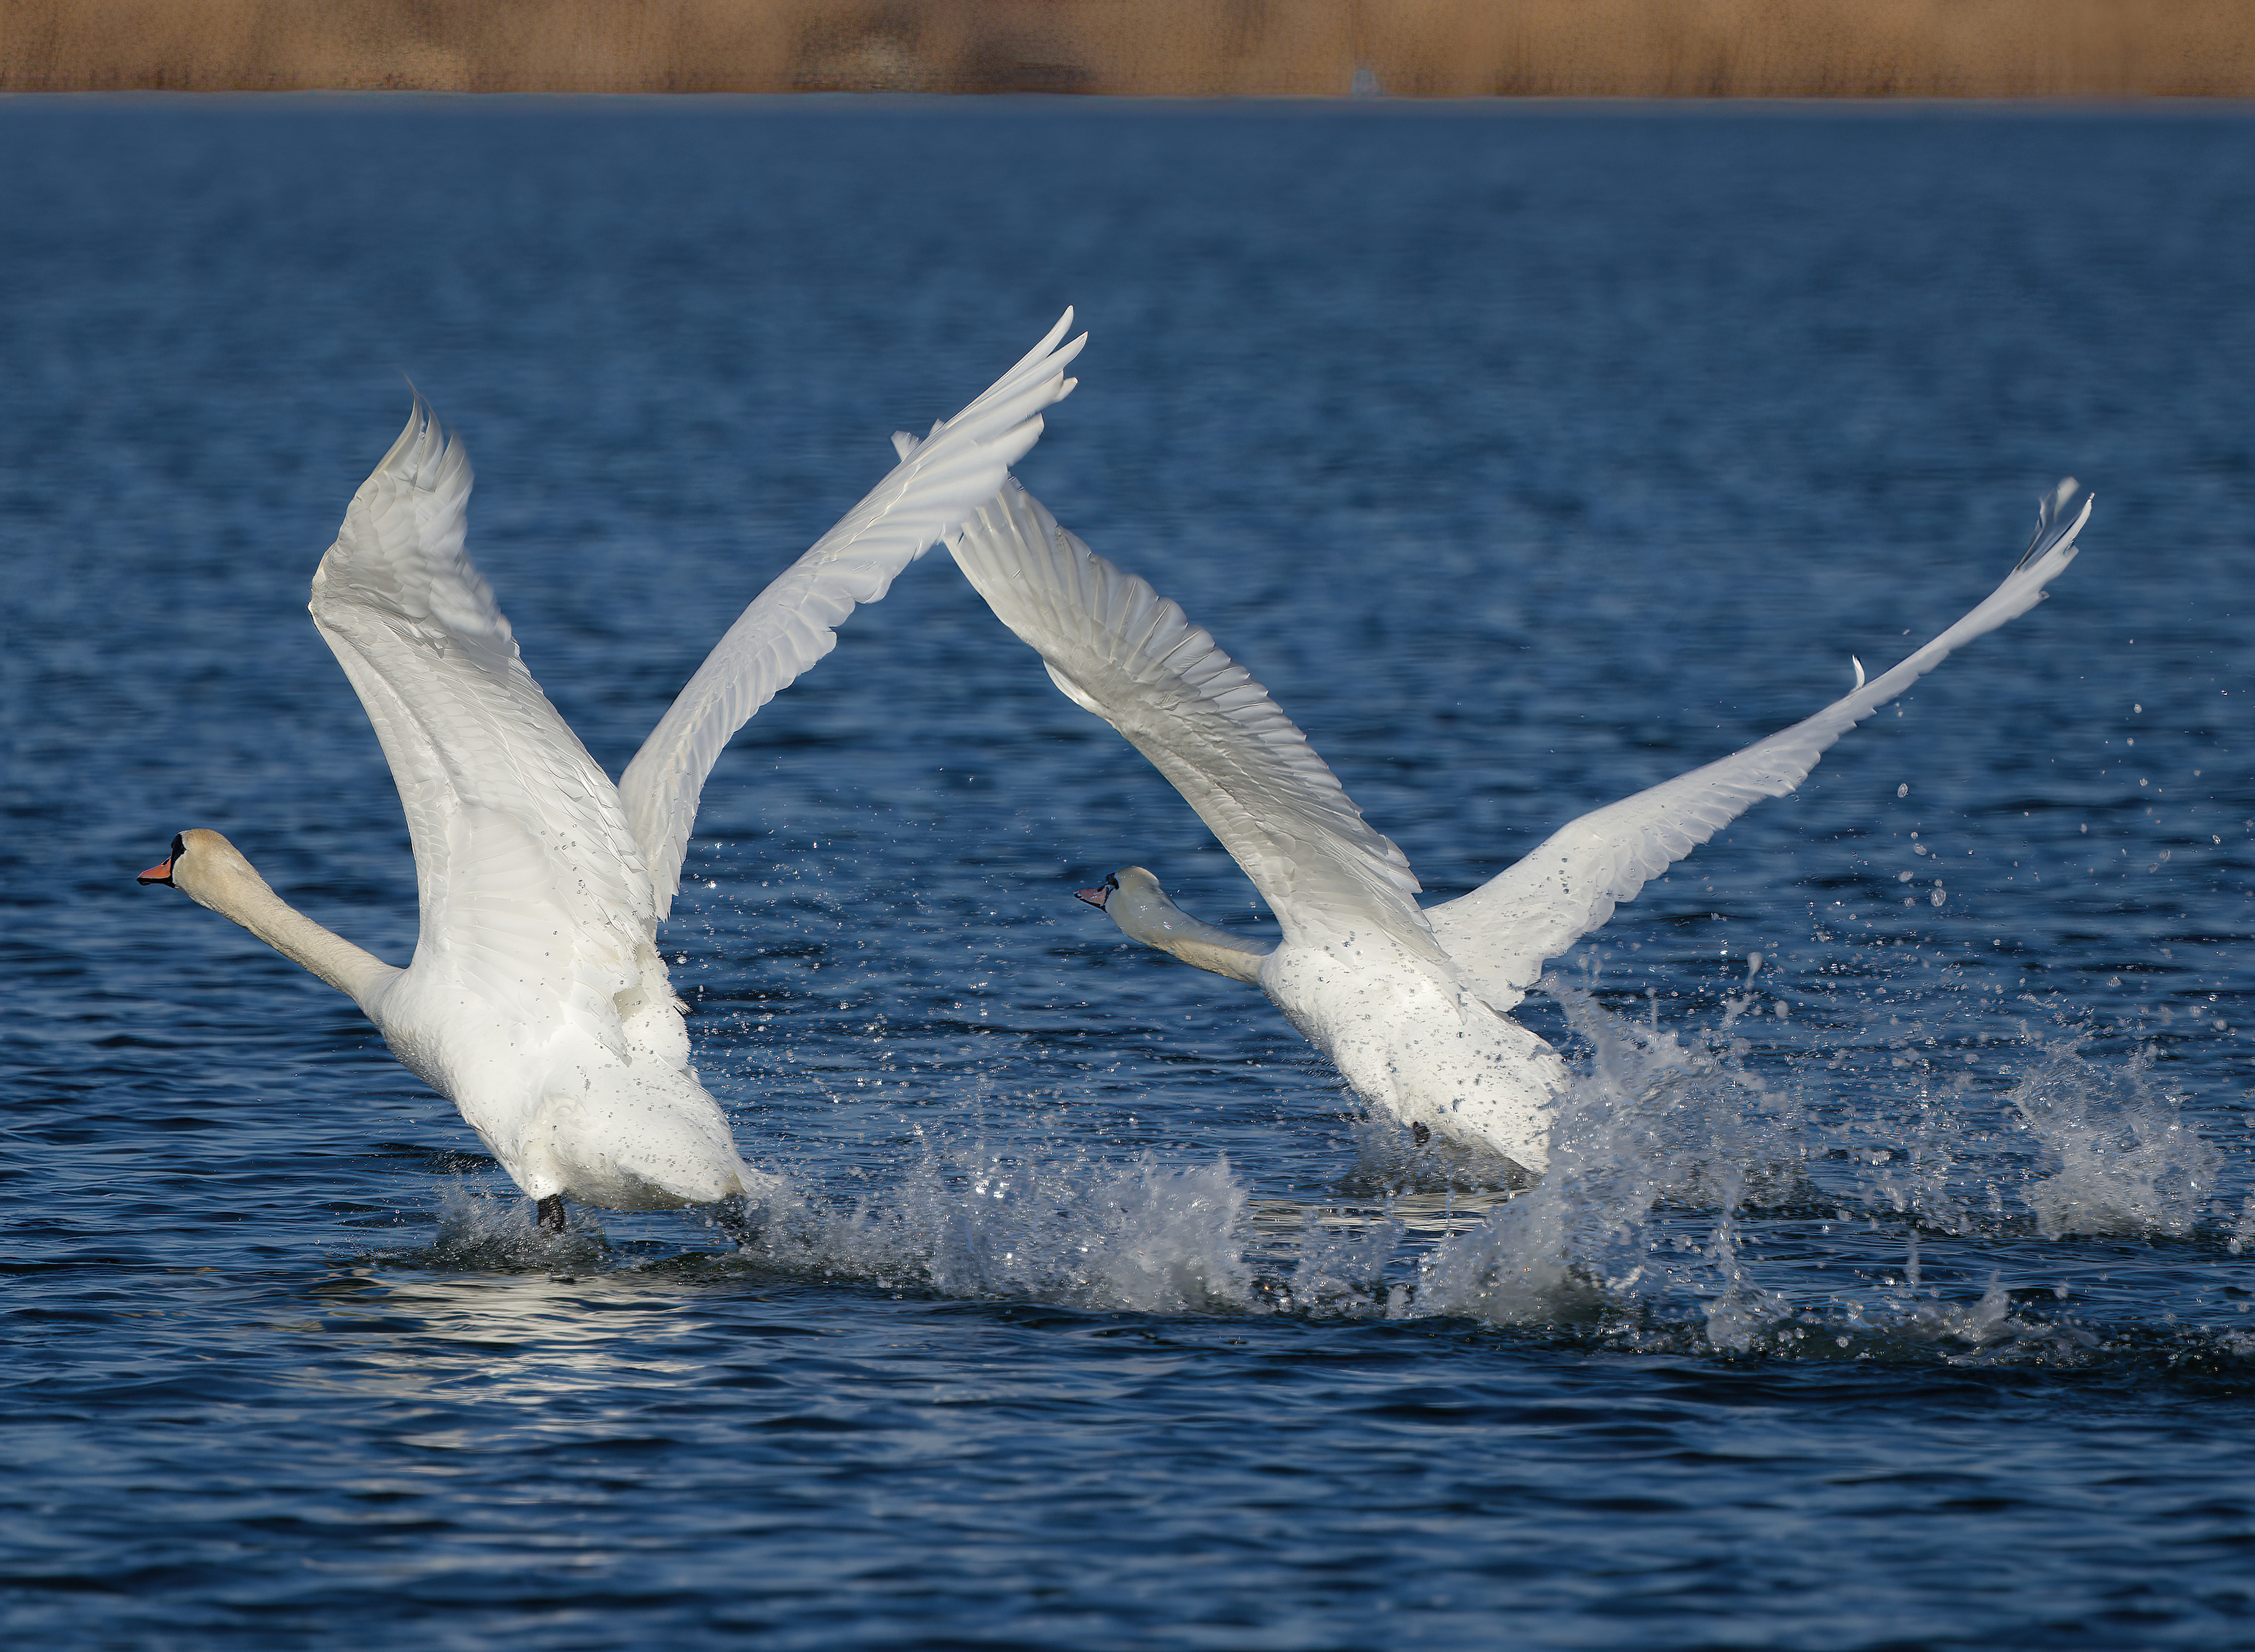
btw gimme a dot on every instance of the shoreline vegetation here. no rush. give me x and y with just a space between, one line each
2092 49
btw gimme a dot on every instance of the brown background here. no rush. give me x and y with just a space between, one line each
1456 48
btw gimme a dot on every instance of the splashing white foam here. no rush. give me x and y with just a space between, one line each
1673 1167
2242 1231
484 1232
1341 1266
1651 1119
970 1222
2129 1161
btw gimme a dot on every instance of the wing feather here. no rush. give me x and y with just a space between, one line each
1501 933
1117 648
792 623
532 887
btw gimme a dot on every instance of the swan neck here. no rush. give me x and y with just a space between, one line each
354 970
1151 918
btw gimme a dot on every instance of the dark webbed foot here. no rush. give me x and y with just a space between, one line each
551 1212
737 1220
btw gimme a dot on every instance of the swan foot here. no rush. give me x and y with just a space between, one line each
735 1217
550 1212
1421 1133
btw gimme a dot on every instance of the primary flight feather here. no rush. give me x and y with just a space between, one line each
1410 1002
536 1000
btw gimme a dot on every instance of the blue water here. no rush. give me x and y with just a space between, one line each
1888 1293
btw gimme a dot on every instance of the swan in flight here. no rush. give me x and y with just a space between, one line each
536 1000
1411 1004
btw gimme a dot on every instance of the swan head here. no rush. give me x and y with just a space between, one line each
1132 898
206 868
1134 890
212 872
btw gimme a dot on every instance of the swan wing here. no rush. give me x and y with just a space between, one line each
792 623
532 891
1118 649
1501 933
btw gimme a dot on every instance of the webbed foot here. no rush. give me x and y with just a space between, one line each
550 1212
739 1218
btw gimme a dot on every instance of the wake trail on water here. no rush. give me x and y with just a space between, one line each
1142 1236
965 1221
1673 1164
1693 1203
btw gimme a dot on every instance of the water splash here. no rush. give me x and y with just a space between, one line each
2129 1161
971 1221
1710 1193
480 1231
1652 1119
2242 1231
1341 1267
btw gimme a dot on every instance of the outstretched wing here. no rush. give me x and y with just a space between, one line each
532 891
792 623
1500 934
1117 648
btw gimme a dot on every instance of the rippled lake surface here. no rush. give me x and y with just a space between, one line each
1891 1290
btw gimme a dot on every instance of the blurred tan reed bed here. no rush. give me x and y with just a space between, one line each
1437 48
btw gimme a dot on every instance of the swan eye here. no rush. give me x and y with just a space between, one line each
1111 882
179 845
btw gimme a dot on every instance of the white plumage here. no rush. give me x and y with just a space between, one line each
1409 1003
536 999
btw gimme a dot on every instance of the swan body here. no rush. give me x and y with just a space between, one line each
536 1000
1411 1004
618 1120
1400 1028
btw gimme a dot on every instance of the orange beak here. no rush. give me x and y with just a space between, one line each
160 872
1094 898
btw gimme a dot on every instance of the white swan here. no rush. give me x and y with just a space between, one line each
536 1000
1409 1003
